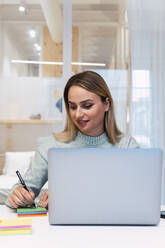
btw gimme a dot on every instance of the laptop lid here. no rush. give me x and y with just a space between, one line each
104 186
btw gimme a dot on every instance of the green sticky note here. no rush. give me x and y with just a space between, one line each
32 210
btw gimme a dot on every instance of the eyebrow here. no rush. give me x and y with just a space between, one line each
85 101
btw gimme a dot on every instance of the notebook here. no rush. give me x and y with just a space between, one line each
104 186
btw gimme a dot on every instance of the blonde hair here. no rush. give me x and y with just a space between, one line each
94 83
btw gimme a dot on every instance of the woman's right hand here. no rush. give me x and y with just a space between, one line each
20 197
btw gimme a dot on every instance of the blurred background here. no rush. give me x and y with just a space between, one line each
43 43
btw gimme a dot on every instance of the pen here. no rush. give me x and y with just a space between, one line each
21 180
23 183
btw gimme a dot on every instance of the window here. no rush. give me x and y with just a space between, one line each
141 107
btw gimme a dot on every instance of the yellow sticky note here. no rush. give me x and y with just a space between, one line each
15 232
15 222
15 226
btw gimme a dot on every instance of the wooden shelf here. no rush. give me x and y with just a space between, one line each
30 121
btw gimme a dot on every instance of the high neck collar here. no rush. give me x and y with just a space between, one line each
92 140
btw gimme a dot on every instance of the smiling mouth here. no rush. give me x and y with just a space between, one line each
82 122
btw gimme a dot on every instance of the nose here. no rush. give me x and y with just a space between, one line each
79 113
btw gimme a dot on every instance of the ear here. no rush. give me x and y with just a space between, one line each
107 104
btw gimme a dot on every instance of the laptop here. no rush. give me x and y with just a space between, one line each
104 186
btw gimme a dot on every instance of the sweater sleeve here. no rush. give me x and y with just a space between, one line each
132 143
37 174
128 142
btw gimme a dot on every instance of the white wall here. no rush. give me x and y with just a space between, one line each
1 47
19 99
9 51
22 97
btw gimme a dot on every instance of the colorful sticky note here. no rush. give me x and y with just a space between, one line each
15 232
31 212
15 226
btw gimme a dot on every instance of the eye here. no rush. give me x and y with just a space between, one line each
87 106
72 107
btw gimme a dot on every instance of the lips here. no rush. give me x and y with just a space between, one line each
82 122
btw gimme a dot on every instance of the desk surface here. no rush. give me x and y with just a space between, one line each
46 236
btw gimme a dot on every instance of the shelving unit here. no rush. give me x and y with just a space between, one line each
29 121
22 135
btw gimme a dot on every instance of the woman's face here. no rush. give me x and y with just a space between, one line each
87 110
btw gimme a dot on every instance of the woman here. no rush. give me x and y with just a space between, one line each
90 123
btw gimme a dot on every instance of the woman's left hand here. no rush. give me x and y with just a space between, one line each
43 202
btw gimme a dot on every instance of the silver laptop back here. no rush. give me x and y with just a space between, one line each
104 186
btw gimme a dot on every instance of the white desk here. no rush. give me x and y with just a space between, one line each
46 236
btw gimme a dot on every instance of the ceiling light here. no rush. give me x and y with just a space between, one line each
55 63
38 47
21 8
32 33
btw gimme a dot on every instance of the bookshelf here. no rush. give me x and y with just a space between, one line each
30 121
